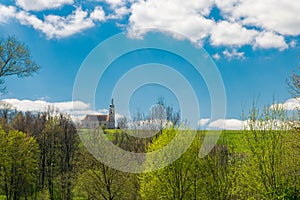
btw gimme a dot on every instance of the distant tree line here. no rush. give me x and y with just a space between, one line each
38 154
42 157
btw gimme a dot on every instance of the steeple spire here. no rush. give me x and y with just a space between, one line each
111 115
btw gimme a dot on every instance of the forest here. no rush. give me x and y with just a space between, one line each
42 155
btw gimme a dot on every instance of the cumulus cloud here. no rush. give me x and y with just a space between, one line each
76 109
38 5
270 20
234 54
222 124
119 13
6 13
290 104
118 8
55 26
98 14
41 105
227 124
184 17
269 40
217 56
203 122
260 24
280 16
225 33
114 3
293 43
226 6
236 124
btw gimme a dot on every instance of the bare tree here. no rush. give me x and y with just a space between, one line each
15 59
294 84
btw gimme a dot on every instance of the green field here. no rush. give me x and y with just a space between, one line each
231 138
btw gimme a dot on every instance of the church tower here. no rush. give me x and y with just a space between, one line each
111 115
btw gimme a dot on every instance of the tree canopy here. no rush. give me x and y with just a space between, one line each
15 59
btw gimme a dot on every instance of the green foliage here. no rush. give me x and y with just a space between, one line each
98 181
189 177
18 164
105 183
260 162
174 181
267 170
57 142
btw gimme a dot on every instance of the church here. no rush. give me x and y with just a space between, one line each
106 121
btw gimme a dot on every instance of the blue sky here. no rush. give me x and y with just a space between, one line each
254 44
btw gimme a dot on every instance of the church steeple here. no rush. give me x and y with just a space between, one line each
112 103
111 115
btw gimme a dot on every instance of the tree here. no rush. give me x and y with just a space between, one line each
57 138
122 123
271 157
177 180
69 142
106 183
7 114
190 177
58 143
98 181
295 84
15 59
18 164
50 153
162 115
217 174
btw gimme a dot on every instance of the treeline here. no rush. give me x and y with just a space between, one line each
42 158
38 154
264 164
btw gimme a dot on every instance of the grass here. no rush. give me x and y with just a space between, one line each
232 138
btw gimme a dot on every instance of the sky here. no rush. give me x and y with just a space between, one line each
254 45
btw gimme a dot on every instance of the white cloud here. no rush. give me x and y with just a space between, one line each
269 40
226 6
40 105
38 5
98 14
203 122
115 3
280 16
118 8
231 34
119 13
6 13
217 56
76 109
227 124
271 21
234 54
291 104
184 17
55 26
293 43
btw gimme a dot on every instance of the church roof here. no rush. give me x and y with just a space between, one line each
95 118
